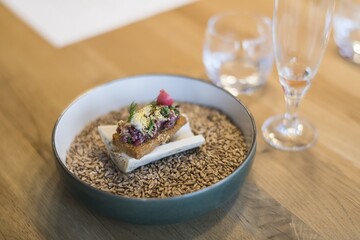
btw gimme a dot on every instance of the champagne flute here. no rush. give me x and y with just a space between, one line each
301 30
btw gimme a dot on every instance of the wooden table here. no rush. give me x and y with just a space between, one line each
314 194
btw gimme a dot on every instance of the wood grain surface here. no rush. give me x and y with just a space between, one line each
314 194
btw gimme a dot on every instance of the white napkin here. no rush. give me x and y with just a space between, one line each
64 22
183 140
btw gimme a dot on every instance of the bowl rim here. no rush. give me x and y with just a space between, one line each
252 148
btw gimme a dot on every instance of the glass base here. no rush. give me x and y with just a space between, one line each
296 137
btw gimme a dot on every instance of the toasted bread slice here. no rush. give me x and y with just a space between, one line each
148 146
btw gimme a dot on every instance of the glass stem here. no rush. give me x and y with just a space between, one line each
292 104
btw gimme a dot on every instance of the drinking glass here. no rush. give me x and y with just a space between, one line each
347 29
237 51
300 34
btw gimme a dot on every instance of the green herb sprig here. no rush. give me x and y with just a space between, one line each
151 127
165 111
132 109
154 103
175 109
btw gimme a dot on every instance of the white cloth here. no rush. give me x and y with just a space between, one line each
63 22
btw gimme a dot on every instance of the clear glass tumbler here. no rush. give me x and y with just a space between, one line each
300 34
347 29
237 51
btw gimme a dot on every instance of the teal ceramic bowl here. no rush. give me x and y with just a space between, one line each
119 93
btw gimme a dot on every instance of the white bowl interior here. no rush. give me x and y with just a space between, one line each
116 94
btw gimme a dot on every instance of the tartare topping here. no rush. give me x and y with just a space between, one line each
141 120
147 122
148 115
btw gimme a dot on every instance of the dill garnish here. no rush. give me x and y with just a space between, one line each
132 110
154 103
165 111
151 127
